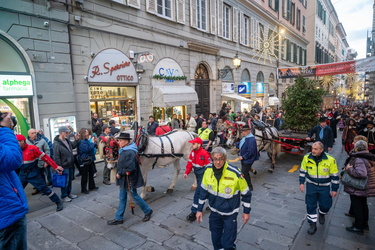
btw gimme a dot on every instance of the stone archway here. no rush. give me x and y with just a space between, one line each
202 87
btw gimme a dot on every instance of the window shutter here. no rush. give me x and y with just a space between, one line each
295 53
220 18
212 14
242 33
151 6
252 33
134 3
287 50
180 11
277 5
257 35
193 13
235 25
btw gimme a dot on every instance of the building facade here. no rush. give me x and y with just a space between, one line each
128 59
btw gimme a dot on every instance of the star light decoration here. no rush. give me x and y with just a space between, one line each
267 46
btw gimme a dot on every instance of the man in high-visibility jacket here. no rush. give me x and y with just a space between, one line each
198 160
320 171
207 136
224 187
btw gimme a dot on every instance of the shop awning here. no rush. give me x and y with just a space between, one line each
236 97
272 101
169 96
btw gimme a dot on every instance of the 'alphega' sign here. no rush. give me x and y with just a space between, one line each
16 85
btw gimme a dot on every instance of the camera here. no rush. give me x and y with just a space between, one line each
13 118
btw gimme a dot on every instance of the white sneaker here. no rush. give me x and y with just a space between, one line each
66 199
72 196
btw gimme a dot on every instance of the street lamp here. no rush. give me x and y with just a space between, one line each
236 63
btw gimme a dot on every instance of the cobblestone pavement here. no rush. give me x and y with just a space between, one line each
277 217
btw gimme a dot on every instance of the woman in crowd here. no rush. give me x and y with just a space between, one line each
350 131
181 122
86 158
361 165
175 124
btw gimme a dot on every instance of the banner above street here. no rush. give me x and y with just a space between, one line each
361 65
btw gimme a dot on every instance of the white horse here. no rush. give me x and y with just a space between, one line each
164 150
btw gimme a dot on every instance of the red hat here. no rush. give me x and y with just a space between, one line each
197 140
20 138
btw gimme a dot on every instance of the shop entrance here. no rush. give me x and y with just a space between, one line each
202 87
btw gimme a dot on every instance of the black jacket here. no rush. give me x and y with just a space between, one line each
62 155
327 139
128 162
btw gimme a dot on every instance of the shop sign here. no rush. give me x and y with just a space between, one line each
16 85
248 89
228 88
168 70
241 89
111 65
260 89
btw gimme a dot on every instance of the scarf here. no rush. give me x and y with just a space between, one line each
321 133
244 138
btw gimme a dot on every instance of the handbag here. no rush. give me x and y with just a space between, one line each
59 180
352 182
87 160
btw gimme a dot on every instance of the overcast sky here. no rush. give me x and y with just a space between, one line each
356 17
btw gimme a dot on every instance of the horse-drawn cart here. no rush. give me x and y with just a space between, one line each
294 143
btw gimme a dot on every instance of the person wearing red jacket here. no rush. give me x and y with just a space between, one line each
29 171
199 158
163 128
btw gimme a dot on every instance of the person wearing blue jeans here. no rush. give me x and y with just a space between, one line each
129 178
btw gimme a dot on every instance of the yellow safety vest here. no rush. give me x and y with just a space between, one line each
204 135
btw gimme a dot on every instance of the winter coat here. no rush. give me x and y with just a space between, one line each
363 165
62 155
327 139
349 133
191 124
85 149
13 202
151 127
248 150
175 123
42 145
128 162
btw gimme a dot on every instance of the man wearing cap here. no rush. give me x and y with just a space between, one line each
104 139
248 154
198 160
63 156
30 173
369 132
129 178
207 136
13 202
323 133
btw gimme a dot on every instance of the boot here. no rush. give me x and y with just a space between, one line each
191 217
312 228
59 206
322 218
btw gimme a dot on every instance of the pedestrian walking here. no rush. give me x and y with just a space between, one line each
224 188
361 165
13 202
129 178
248 154
30 173
198 160
319 171
323 133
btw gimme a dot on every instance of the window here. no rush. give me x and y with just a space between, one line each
303 24
165 8
298 24
246 26
274 4
293 14
226 21
286 8
202 14
322 13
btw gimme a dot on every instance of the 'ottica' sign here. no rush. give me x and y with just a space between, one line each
16 85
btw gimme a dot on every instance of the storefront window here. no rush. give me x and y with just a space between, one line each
166 113
20 108
114 103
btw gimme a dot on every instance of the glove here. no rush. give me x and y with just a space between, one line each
127 173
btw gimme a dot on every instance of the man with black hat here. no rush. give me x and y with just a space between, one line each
323 133
248 154
369 132
198 160
129 178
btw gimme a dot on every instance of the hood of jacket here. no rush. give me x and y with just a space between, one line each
131 146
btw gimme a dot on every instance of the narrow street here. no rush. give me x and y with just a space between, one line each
277 217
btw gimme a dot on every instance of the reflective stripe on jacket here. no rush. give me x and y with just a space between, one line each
322 173
204 133
225 196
